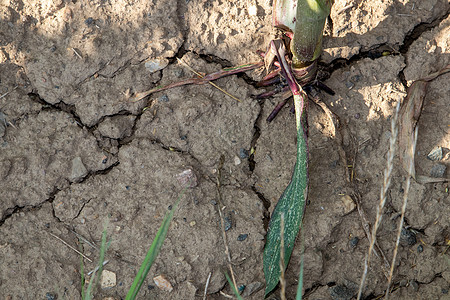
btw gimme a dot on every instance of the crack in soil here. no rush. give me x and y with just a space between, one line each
9 212
60 106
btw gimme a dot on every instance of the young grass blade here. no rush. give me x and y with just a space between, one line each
233 287
153 251
83 281
292 202
96 276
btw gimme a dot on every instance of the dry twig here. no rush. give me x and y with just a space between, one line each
222 224
67 244
366 226
206 286
211 83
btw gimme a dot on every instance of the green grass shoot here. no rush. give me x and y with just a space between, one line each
152 252
230 282
97 274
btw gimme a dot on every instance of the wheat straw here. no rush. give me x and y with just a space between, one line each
384 189
405 201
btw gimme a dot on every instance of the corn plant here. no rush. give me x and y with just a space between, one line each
295 58
303 22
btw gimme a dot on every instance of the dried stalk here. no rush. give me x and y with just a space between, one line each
405 201
222 223
384 189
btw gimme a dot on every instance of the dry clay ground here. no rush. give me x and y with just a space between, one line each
74 152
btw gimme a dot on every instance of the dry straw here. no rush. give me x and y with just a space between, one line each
384 189
405 201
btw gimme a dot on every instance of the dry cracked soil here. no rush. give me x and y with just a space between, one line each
74 152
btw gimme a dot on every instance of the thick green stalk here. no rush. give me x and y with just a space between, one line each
306 45
304 20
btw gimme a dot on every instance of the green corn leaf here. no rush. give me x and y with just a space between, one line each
291 204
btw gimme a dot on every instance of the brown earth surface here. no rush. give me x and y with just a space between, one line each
75 153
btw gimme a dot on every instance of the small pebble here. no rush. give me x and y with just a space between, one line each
192 223
334 164
356 78
79 171
108 279
51 296
354 242
348 204
89 21
162 283
227 223
435 154
341 292
163 98
178 73
243 153
408 237
156 64
252 288
420 248
187 178
242 237
237 161
403 282
414 284
438 171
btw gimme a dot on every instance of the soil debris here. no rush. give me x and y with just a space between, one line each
435 154
108 279
438 171
163 283
79 171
